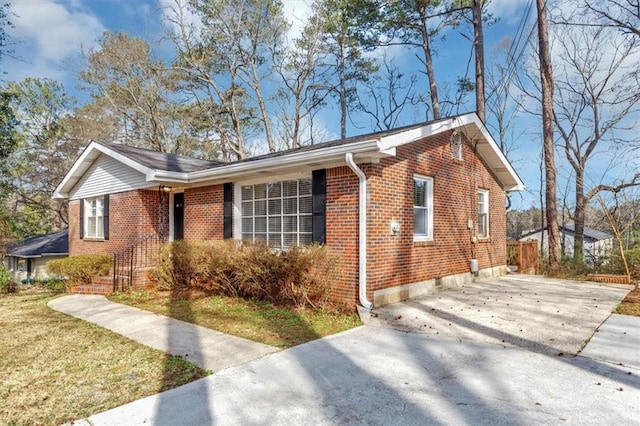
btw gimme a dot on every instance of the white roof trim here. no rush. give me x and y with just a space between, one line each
364 151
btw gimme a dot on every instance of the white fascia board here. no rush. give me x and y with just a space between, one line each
284 162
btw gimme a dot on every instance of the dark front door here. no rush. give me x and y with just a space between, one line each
178 216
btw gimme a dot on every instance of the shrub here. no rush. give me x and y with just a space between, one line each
298 275
6 284
80 269
54 284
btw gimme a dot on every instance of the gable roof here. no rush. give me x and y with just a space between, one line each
54 244
162 168
569 228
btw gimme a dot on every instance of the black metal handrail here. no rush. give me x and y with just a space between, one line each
142 254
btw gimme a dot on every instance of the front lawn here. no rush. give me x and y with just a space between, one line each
278 326
56 369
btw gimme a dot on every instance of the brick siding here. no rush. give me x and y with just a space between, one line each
132 215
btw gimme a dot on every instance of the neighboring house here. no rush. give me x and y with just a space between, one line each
407 209
596 248
29 258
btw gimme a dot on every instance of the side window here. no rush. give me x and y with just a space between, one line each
422 208
94 217
483 213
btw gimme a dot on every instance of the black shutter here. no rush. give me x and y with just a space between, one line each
81 224
105 216
319 191
228 210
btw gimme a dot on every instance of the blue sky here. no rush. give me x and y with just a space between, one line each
51 33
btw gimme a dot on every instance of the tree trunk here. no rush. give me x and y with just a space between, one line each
343 91
578 217
546 78
428 62
478 44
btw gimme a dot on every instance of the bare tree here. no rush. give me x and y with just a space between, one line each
224 57
387 96
595 108
546 79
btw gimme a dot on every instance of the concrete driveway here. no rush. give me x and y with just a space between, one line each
381 376
525 311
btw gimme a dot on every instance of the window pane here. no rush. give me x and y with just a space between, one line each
260 191
261 237
420 221
247 225
290 188
247 208
261 224
260 208
100 231
290 224
419 193
290 206
247 193
91 227
306 239
305 204
247 236
275 190
289 240
305 187
275 207
306 224
275 224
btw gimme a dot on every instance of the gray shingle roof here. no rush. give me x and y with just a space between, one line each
162 160
179 163
56 243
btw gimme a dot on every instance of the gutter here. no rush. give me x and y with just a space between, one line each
362 231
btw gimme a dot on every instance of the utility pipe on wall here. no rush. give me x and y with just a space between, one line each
362 231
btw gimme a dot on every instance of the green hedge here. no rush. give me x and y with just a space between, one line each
80 269
299 275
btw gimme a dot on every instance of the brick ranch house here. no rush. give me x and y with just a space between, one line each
407 209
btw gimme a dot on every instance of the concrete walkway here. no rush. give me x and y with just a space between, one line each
202 346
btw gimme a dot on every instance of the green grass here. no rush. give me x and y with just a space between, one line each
278 326
56 369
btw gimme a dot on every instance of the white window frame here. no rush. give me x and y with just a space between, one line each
483 213
302 236
428 206
98 215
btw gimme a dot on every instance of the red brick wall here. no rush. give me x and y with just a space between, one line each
342 228
394 260
132 215
204 213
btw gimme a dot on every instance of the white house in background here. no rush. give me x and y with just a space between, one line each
597 244
28 260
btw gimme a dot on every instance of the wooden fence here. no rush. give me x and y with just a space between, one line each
525 255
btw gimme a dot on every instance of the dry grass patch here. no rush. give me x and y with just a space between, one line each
631 304
55 368
280 326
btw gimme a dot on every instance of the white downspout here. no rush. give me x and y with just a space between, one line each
362 233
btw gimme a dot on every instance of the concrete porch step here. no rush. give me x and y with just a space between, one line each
101 289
